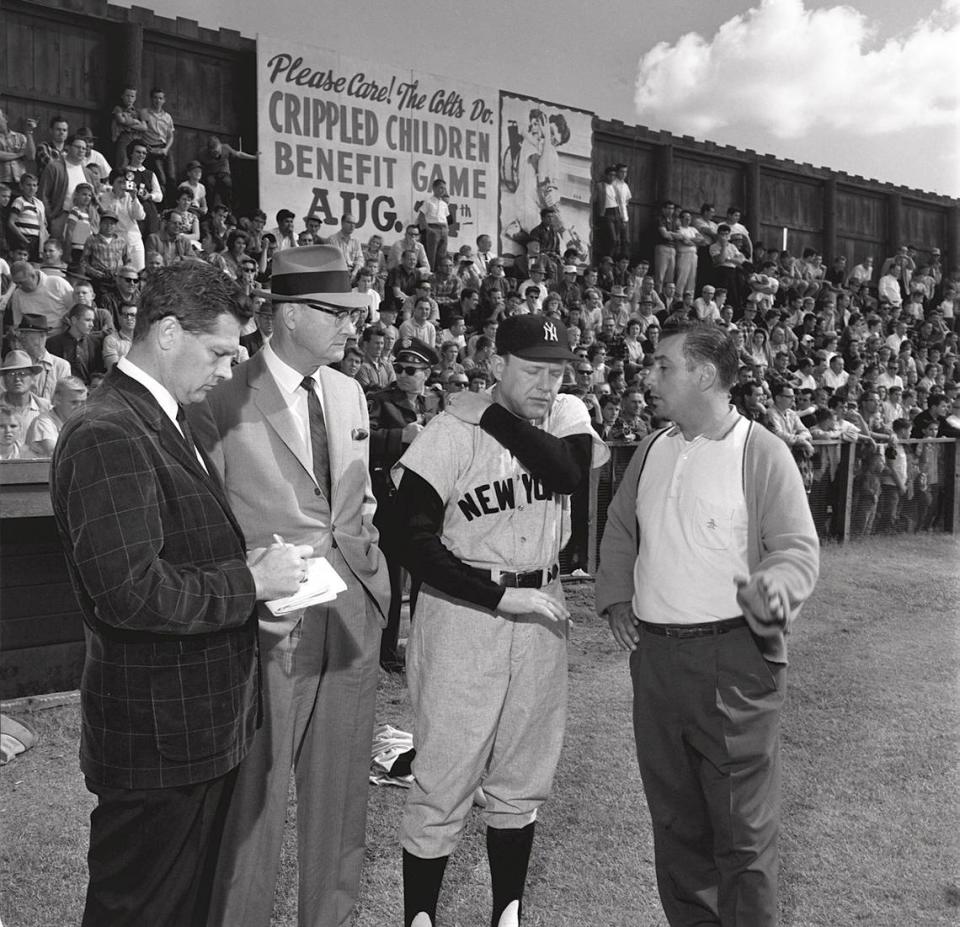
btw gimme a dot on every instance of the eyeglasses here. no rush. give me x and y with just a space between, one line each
338 312
128 315
409 371
20 374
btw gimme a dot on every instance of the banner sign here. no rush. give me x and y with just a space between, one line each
340 134
546 156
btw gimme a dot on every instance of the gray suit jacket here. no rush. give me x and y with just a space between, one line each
253 440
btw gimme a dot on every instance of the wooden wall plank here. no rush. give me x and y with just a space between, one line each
36 670
38 631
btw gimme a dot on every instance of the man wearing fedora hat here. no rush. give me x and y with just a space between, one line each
32 334
291 437
18 372
483 504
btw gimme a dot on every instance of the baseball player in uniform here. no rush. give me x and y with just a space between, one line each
484 502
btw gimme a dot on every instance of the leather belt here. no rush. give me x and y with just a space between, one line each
435 225
531 579
706 629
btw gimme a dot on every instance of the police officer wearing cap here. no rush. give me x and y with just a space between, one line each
482 505
397 415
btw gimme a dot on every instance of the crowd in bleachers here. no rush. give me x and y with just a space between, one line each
866 354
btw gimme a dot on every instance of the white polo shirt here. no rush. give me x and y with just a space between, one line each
692 513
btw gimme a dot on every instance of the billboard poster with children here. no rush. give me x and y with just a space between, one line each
342 135
545 177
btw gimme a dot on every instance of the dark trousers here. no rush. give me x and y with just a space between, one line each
390 642
612 234
162 166
435 244
706 719
152 854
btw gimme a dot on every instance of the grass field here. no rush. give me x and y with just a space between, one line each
871 736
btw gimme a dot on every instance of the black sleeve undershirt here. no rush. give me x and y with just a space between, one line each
419 514
559 463
418 509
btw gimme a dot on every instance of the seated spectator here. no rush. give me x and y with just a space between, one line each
37 293
79 345
350 363
95 161
104 253
784 422
172 243
457 331
423 289
409 242
483 361
376 369
103 321
634 424
231 259
51 259
18 372
476 381
117 344
457 383
69 397
448 365
217 226
418 325
193 174
608 427
750 400
403 280
31 335
10 442
187 213
937 406
349 247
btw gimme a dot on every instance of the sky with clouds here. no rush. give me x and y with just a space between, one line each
871 87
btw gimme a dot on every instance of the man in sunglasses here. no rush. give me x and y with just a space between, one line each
397 415
291 436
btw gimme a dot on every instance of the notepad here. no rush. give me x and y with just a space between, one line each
323 584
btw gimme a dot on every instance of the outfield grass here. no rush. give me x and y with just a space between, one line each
871 736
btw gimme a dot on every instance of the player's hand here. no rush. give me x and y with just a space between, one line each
532 602
279 569
623 625
410 432
467 406
764 605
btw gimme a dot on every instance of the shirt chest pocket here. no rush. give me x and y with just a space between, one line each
711 524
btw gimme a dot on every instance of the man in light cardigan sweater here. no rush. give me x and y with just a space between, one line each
708 553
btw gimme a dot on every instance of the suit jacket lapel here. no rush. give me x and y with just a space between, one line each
170 439
273 407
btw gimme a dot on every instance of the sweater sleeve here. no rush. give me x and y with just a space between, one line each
418 517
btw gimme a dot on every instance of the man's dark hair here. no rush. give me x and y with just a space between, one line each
154 90
706 343
58 118
934 399
468 292
778 388
77 309
194 292
284 214
371 330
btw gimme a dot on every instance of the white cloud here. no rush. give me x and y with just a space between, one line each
787 70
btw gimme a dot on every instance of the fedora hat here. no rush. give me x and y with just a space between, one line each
314 273
33 322
19 360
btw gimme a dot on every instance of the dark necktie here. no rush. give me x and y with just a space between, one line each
188 435
318 436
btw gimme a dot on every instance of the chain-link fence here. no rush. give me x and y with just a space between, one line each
850 487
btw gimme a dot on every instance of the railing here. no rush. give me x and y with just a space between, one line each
838 499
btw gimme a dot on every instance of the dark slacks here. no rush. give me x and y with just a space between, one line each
706 719
152 854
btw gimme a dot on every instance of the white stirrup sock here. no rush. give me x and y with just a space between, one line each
422 920
510 916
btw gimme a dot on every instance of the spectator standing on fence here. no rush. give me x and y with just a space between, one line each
125 125
216 173
704 611
434 219
664 252
158 137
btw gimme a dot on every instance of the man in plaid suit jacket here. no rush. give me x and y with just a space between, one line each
170 688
